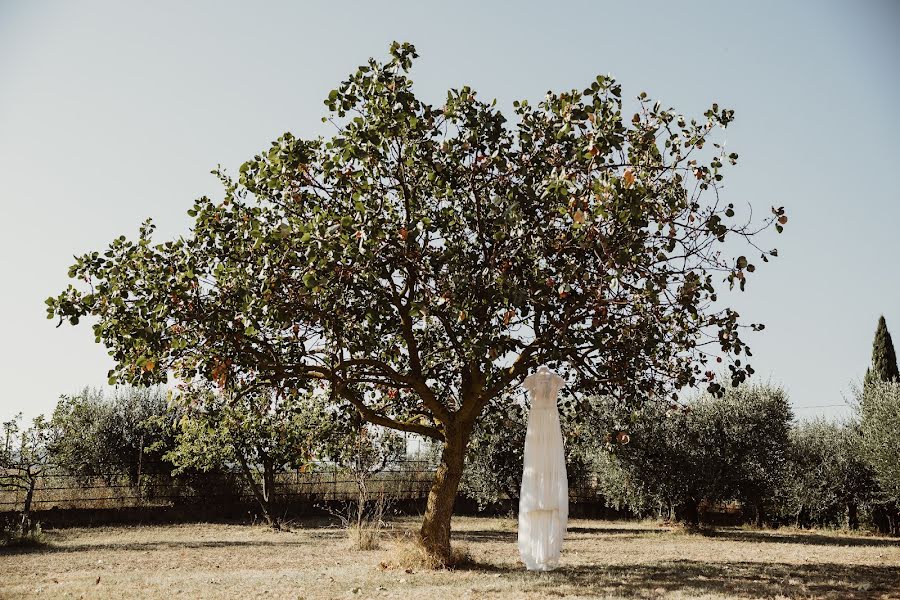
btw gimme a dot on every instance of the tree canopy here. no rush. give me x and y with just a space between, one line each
423 259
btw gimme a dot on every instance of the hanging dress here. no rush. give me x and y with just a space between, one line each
544 501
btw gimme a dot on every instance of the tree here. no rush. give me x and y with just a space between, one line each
260 434
493 468
884 359
829 478
110 436
757 422
424 259
710 449
880 428
24 458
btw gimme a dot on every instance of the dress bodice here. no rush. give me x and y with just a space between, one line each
544 386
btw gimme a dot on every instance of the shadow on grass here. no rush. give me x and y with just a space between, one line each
616 530
731 579
145 546
491 535
810 539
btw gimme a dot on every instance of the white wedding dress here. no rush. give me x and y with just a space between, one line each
544 501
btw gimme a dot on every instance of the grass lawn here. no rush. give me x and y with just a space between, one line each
600 560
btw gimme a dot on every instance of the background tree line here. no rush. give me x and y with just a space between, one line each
667 459
116 438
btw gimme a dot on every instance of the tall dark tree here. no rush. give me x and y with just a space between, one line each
424 259
884 359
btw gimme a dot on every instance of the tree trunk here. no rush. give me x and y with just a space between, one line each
269 496
26 509
261 494
852 515
691 511
435 532
760 519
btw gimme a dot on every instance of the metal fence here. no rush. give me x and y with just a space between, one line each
406 480
322 482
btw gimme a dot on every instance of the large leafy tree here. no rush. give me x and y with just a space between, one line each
423 259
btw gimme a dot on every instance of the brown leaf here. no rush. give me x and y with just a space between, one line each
579 216
628 177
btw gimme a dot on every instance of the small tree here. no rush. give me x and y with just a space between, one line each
493 470
260 434
111 436
24 458
884 359
424 259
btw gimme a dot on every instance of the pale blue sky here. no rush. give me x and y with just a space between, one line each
111 112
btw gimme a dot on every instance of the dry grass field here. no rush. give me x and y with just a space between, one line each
313 560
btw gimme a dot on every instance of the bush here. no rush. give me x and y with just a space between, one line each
19 530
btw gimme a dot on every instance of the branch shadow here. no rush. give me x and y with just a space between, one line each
491 535
616 530
52 548
730 579
809 539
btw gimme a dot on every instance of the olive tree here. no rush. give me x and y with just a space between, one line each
880 440
109 435
709 448
424 258
829 478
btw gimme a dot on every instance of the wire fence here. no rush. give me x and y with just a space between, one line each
402 481
399 481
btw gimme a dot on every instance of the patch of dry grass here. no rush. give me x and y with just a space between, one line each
410 554
600 560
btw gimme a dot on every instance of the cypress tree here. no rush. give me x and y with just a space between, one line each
884 359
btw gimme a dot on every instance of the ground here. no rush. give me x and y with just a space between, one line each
601 559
